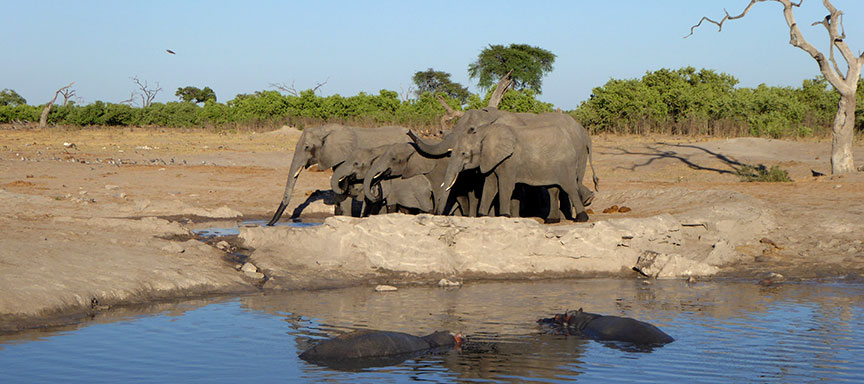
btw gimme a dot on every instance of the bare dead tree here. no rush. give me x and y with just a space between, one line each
405 94
130 100
67 93
291 90
450 115
43 120
147 94
503 85
846 84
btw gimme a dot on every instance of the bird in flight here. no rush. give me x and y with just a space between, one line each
170 51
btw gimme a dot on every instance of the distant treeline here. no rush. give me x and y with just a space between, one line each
682 101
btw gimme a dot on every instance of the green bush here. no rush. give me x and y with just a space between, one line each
761 173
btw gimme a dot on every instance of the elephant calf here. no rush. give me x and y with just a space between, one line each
608 328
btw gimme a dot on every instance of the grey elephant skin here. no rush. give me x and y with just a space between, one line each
403 161
569 129
330 145
546 156
412 193
376 348
608 328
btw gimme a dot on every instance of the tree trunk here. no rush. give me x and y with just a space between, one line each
843 135
43 120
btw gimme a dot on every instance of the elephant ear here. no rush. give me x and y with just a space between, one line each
498 144
418 165
336 147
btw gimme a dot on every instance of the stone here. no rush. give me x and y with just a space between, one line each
249 268
449 283
223 245
385 288
174 247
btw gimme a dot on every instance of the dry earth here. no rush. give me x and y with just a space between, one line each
106 222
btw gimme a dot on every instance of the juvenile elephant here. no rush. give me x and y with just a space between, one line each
402 161
546 156
414 193
328 146
569 129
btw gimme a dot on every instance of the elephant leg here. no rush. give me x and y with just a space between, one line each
341 207
490 188
462 205
506 184
554 215
586 195
572 190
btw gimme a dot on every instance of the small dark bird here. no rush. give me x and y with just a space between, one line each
816 173
170 51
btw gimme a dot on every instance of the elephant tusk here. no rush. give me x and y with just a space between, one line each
449 186
377 175
296 174
341 179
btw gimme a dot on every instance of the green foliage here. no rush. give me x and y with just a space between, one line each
432 81
761 173
11 98
687 101
529 65
524 100
194 94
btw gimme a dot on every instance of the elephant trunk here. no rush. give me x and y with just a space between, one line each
373 179
441 148
341 178
297 164
453 170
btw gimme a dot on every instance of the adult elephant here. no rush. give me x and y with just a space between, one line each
545 156
402 161
473 119
413 194
328 146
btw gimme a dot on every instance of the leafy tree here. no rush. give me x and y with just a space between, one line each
12 98
529 65
432 81
193 94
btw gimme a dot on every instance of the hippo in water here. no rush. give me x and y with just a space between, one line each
374 348
608 328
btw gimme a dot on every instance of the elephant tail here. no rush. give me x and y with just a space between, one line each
593 172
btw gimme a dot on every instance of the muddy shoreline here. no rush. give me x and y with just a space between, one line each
108 224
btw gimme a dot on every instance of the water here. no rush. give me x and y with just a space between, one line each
231 228
725 332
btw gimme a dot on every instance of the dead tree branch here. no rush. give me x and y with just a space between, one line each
319 85
502 87
43 119
845 83
147 94
130 100
450 115
291 90
67 93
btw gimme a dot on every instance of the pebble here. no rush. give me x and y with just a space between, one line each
385 288
223 245
449 283
249 268
111 187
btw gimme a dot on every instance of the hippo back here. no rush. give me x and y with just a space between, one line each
362 344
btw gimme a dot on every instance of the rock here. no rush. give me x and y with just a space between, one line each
174 247
111 187
589 211
255 275
624 209
385 288
611 209
249 268
223 245
449 283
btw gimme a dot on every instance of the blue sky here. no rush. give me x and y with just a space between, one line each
364 46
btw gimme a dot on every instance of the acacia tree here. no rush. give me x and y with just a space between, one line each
434 81
845 84
10 97
195 94
528 65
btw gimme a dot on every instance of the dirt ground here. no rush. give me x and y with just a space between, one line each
97 217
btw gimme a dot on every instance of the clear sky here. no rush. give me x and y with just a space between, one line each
364 46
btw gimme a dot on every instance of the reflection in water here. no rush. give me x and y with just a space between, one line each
731 332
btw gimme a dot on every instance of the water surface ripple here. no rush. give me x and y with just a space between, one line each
725 332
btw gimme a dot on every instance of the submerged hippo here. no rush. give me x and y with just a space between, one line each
375 344
609 328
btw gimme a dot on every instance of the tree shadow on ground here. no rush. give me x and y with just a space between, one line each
656 152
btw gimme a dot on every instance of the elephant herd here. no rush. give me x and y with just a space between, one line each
491 162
